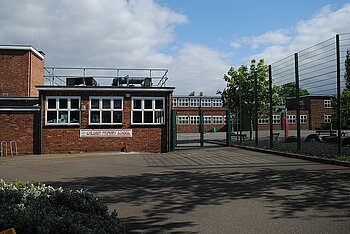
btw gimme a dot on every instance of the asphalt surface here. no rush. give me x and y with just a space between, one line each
209 190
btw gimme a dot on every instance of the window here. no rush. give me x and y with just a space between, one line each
327 118
194 102
194 119
206 119
327 103
291 119
63 110
217 119
182 120
303 119
263 120
216 102
148 110
276 119
205 102
182 102
106 110
301 104
174 102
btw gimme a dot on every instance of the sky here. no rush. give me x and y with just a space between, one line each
197 40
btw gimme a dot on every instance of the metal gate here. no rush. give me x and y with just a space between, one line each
203 128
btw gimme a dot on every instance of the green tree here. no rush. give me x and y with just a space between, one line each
289 90
240 87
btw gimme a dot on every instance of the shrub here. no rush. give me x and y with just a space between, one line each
36 208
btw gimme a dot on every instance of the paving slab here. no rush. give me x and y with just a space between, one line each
210 190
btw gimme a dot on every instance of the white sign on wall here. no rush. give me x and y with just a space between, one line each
105 132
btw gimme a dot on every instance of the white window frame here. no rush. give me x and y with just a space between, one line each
182 120
291 119
195 102
276 119
327 118
217 119
205 102
57 109
154 110
303 119
111 109
207 119
174 102
182 102
195 119
327 103
216 102
263 120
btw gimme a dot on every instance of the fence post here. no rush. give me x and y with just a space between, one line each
338 94
240 113
174 138
256 108
296 63
228 128
201 128
270 111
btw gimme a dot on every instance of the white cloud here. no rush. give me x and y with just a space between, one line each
325 24
198 68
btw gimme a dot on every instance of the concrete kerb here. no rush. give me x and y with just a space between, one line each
298 156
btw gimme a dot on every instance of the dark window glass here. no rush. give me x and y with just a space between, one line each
137 117
117 116
159 104
74 103
74 116
106 117
159 117
148 116
106 104
51 104
117 104
63 116
95 117
63 103
52 117
148 104
137 104
95 104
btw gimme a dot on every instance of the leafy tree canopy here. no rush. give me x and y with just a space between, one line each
289 90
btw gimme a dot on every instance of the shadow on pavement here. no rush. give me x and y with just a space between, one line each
287 192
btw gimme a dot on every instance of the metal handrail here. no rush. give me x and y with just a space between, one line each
3 153
13 144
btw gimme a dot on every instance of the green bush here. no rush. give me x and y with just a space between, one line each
36 208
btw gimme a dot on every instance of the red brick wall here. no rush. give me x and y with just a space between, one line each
14 69
37 74
22 127
67 138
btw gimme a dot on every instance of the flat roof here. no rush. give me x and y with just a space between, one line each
105 88
22 47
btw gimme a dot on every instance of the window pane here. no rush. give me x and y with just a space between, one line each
63 103
74 116
137 117
63 116
117 117
117 104
95 104
106 104
51 104
148 116
74 103
106 117
95 117
52 117
148 104
159 116
159 104
137 104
